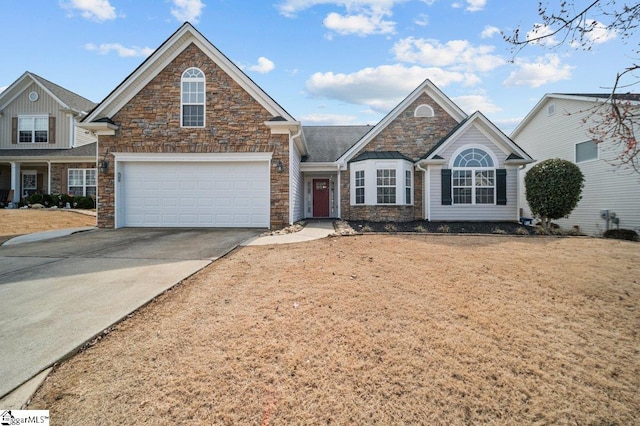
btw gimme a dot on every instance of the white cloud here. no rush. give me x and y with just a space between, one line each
122 51
95 10
263 66
472 103
422 20
187 10
328 119
546 69
361 24
460 55
380 88
489 31
599 33
475 5
541 30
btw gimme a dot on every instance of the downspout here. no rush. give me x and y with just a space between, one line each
426 212
339 190
518 207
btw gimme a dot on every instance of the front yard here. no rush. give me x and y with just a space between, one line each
376 329
14 222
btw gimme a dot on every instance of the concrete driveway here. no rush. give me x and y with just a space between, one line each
57 294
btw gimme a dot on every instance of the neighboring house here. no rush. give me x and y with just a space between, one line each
189 140
558 127
41 147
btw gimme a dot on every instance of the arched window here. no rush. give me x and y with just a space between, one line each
423 110
192 98
474 177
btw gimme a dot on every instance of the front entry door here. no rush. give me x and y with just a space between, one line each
321 198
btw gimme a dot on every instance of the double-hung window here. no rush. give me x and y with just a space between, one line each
473 178
359 186
407 186
33 129
386 186
192 98
82 182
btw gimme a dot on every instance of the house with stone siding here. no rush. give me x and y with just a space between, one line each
42 148
189 140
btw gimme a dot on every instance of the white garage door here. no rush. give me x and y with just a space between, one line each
191 194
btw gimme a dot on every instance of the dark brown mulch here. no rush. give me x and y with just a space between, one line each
425 226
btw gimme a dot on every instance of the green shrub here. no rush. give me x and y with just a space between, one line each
553 188
83 203
444 229
622 234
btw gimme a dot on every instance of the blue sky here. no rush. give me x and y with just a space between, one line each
324 61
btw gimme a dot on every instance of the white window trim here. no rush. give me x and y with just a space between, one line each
370 168
409 187
28 173
356 187
203 103
33 131
84 181
575 152
473 175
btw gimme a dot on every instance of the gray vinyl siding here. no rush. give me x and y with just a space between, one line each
296 185
476 212
84 137
606 187
45 105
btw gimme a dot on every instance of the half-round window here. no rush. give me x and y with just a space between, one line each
192 98
423 110
473 157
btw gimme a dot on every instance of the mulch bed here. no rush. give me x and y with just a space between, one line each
425 226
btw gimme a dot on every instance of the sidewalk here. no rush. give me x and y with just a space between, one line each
314 230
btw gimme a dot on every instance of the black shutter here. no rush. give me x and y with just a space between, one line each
501 187
446 187
52 130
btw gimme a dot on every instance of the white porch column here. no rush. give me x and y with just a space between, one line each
15 181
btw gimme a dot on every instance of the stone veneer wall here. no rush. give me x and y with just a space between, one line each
60 175
413 137
234 122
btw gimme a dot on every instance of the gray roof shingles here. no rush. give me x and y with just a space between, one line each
72 100
328 143
88 150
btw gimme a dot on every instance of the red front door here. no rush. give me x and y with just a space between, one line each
321 198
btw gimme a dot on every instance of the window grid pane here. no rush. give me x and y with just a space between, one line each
359 187
407 189
386 188
193 98
33 129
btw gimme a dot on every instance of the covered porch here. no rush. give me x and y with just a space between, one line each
321 191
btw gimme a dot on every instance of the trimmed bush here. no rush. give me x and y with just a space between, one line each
554 188
622 234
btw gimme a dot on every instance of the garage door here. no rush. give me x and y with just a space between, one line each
192 194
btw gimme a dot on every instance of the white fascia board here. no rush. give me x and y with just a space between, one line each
283 127
319 167
193 158
99 128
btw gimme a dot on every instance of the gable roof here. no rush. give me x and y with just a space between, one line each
87 151
426 87
328 143
162 56
479 121
583 97
66 98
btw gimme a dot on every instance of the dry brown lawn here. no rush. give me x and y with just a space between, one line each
376 329
14 222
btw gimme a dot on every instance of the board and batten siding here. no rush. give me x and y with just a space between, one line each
473 212
296 184
45 105
606 187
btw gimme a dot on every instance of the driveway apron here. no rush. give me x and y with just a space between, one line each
57 294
